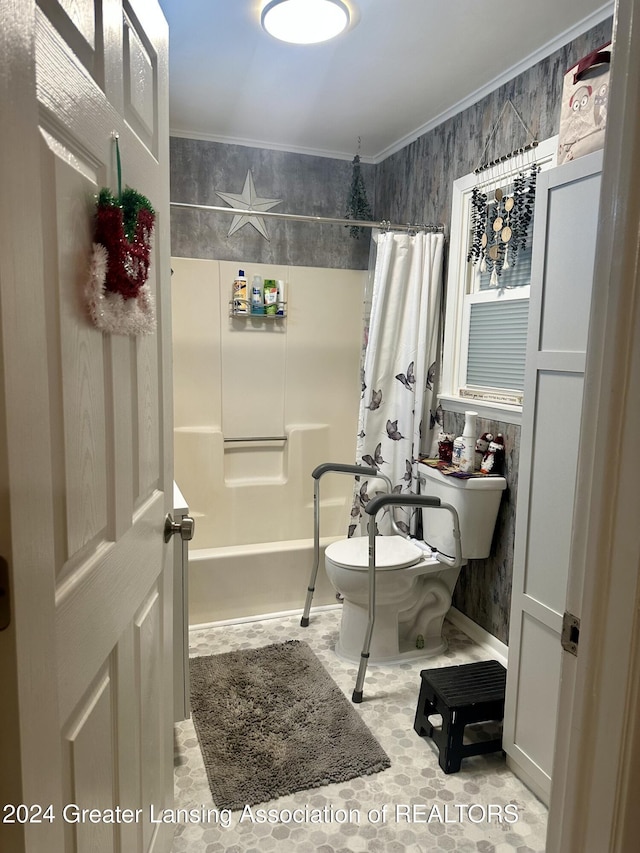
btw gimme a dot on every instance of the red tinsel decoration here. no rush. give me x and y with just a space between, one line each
128 259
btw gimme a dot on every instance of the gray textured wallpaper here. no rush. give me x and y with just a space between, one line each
483 591
416 183
413 185
314 186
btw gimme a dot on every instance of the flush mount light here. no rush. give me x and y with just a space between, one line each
305 21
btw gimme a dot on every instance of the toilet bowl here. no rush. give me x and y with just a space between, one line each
413 589
413 595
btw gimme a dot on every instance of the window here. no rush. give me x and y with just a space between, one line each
487 314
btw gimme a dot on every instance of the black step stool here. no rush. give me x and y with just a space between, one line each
469 693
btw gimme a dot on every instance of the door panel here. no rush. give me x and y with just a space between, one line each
140 82
90 475
88 765
539 676
147 655
147 398
552 474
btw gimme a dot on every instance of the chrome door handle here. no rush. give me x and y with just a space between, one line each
184 527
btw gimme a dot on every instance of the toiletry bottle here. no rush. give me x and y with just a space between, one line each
280 297
456 452
240 304
270 296
465 445
257 304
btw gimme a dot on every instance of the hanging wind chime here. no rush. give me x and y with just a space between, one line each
118 295
357 203
500 220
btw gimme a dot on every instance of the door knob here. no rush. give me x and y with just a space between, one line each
184 527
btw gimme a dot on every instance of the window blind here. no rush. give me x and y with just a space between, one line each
497 344
518 274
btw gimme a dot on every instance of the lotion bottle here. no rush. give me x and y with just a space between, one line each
464 447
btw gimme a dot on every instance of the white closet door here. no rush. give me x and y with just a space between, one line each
562 272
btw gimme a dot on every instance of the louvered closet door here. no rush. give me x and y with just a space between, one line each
88 443
562 271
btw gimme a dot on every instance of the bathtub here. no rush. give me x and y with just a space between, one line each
240 581
252 551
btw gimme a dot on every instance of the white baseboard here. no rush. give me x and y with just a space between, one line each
202 626
495 647
531 780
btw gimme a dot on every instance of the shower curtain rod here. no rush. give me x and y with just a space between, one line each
301 217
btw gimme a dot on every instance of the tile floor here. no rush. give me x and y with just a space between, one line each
411 807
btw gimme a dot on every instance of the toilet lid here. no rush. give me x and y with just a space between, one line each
392 552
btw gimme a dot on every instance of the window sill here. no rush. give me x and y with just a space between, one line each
484 408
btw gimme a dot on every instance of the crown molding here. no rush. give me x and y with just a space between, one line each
547 49
271 146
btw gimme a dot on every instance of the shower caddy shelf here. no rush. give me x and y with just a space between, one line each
248 315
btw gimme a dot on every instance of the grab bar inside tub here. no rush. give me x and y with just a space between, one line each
257 438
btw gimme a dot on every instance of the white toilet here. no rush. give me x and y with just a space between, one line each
413 588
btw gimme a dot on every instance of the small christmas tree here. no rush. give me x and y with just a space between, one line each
357 204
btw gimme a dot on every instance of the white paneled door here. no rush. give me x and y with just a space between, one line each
85 440
564 238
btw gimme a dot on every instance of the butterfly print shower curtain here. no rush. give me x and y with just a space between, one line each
399 368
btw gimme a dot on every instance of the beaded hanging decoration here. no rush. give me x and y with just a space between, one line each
118 296
500 220
500 224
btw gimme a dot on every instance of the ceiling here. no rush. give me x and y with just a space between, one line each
402 68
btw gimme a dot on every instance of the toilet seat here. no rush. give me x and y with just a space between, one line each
392 552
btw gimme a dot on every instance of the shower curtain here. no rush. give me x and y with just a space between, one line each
399 369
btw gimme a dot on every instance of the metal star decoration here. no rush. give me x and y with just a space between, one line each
249 200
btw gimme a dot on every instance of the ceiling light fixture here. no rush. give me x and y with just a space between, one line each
305 21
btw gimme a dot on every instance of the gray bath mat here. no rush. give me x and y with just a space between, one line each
272 721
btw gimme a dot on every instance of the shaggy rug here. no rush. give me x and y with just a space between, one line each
272 721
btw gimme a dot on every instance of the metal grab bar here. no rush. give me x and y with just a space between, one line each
258 438
317 473
339 468
372 508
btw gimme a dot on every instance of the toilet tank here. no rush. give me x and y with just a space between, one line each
476 499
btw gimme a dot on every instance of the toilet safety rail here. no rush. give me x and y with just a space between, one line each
372 508
317 474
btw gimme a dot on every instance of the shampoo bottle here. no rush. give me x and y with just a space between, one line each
240 304
270 296
257 304
280 297
464 447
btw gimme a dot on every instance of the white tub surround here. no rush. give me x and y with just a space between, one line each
259 403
